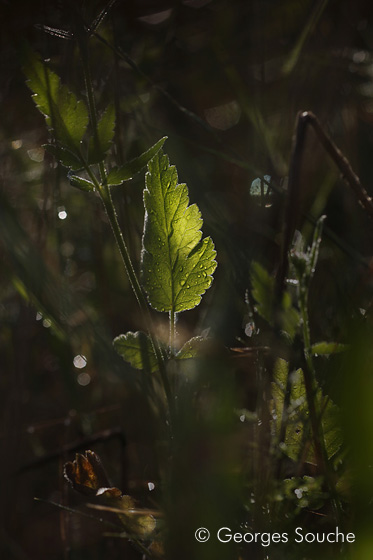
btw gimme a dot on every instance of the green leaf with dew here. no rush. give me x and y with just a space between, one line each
119 175
81 183
65 115
192 348
136 349
177 264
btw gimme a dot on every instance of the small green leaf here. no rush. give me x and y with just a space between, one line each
118 175
81 183
177 265
191 348
136 349
64 156
105 133
64 114
326 348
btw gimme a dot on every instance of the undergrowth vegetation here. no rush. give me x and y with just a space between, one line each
206 345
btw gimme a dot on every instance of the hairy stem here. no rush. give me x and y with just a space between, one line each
172 332
135 284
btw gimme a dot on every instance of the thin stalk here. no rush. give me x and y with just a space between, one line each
172 332
82 44
105 195
107 200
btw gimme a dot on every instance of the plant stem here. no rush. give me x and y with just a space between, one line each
172 332
105 194
83 49
107 200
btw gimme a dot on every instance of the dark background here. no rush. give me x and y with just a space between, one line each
224 80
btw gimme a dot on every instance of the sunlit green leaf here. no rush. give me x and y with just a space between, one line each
177 265
64 114
98 148
136 349
81 183
118 175
191 348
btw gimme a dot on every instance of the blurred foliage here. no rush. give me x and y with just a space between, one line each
224 81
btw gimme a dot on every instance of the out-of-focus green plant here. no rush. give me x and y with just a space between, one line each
306 423
177 265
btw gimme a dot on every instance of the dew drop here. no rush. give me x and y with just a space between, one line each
84 379
182 282
62 214
80 361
